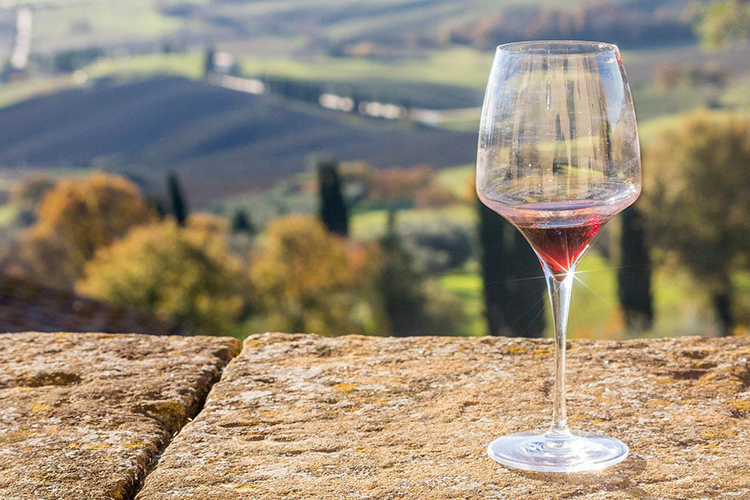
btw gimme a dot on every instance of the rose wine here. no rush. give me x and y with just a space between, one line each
560 246
559 232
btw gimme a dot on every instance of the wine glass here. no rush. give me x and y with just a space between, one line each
558 157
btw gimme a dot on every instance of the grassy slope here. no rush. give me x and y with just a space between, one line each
460 66
223 142
187 65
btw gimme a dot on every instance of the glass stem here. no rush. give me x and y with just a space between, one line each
559 288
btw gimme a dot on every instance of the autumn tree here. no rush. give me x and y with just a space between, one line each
186 273
697 203
307 279
74 220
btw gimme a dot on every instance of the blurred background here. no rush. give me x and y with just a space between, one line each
228 167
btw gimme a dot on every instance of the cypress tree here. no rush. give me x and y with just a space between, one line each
241 223
722 301
634 272
514 290
333 211
179 204
400 285
208 61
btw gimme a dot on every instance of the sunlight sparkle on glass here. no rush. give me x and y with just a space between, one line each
558 157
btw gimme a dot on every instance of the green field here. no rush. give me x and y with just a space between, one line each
63 24
12 93
457 179
460 66
681 309
467 285
650 103
371 224
187 65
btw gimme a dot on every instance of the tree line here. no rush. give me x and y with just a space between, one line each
634 24
101 237
695 213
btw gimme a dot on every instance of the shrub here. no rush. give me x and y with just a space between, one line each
309 280
399 184
439 245
434 195
186 273
74 220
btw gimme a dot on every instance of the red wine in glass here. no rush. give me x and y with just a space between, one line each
559 247
561 232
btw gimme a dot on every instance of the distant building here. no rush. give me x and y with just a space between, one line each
249 85
15 69
28 306
22 47
223 63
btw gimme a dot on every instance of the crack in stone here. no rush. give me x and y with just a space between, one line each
162 446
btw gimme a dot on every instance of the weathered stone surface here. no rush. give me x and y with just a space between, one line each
306 417
83 415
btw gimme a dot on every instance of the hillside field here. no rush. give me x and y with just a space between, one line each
222 142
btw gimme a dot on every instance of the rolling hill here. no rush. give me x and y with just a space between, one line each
221 141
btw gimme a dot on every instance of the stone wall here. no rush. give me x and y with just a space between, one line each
82 416
299 416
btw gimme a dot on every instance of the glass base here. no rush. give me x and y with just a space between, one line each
549 452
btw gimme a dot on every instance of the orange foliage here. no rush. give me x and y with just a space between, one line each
308 280
434 195
75 219
187 273
395 184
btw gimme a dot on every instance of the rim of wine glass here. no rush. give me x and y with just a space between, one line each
542 48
